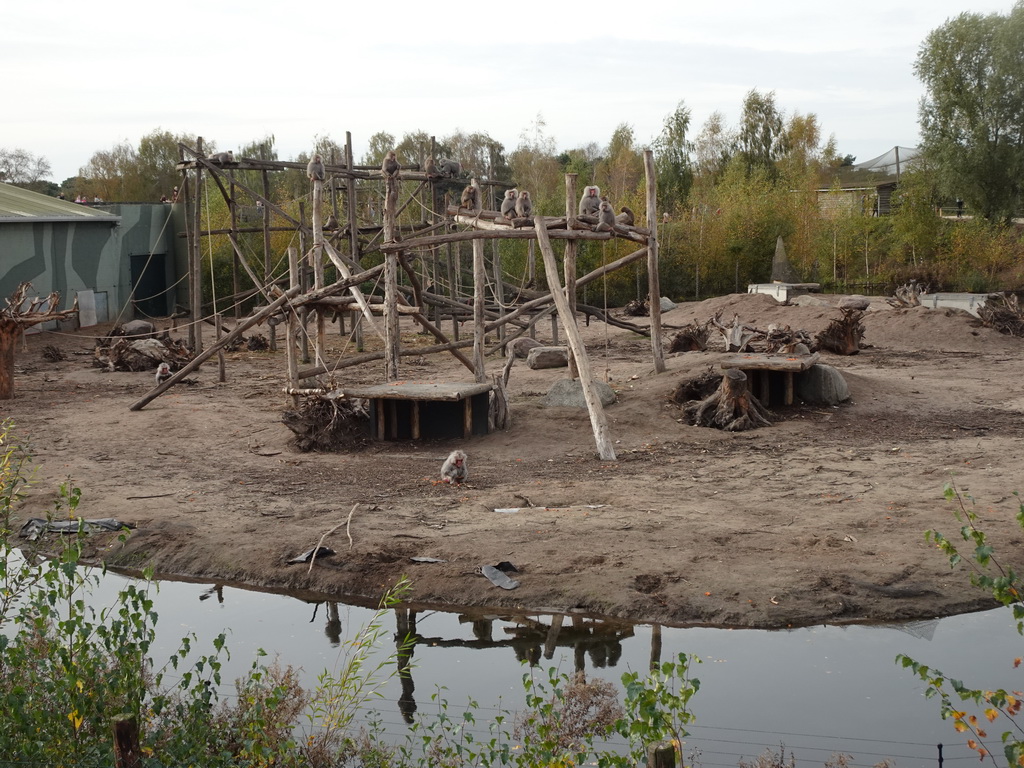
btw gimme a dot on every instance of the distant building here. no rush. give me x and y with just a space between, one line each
98 253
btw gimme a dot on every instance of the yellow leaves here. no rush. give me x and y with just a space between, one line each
972 744
991 714
76 719
960 726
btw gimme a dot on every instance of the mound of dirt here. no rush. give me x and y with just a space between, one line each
820 517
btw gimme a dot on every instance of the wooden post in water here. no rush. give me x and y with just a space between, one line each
569 261
127 752
662 755
653 278
572 333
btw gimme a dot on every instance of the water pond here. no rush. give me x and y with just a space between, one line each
817 690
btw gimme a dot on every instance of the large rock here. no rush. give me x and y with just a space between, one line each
548 357
568 393
854 302
521 347
821 385
667 305
138 328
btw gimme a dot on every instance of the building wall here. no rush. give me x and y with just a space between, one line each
69 257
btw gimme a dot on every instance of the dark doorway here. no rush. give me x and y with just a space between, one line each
149 283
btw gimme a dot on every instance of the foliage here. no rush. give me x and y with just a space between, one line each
972 125
140 174
565 721
672 150
23 169
1006 586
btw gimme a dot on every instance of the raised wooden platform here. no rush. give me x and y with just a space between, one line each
761 368
414 410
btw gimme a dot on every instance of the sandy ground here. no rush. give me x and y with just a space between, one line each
820 517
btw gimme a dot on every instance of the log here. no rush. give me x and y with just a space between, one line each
653 275
590 394
843 335
245 325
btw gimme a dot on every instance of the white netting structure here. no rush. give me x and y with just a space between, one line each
894 161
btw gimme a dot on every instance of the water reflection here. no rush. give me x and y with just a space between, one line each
818 690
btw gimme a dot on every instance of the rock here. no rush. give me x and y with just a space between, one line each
548 357
521 347
809 300
568 393
821 385
854 302
667 305
138 328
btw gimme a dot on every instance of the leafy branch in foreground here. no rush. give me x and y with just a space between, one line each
1005 585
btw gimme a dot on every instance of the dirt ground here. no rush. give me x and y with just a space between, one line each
818 518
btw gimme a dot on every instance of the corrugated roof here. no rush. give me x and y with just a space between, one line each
21 205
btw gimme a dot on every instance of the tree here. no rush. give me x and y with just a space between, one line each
672 159
761 139
971 117
713 148
622 171
133 174
22 168
380 144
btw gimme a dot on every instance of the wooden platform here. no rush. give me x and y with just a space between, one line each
414 410
764 368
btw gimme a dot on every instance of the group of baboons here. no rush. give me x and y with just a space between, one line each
516 203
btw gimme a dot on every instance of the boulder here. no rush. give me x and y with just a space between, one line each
821 385
854 302
568 393
138 328
521 347
548 357
667 305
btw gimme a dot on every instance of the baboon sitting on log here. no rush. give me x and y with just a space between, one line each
732 407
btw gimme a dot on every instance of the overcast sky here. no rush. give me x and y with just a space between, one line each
79 77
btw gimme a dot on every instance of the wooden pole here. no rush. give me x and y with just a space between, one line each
532 275
127 752
653 277
291 339
479 294
353 230
222 373
238 330
305 271
569 261
267 265
572 333
392 335
317 257
195 270
233 208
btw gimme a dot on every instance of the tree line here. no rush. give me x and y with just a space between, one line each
728 191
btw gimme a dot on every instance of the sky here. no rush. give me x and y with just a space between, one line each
80 77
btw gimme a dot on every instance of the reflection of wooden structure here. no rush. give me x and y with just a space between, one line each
344 248
768 373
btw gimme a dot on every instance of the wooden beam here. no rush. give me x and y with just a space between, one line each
203 356
479 291
653 276
572 333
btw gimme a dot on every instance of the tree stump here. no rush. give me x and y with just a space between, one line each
843 335
736 336
731 407
692 338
